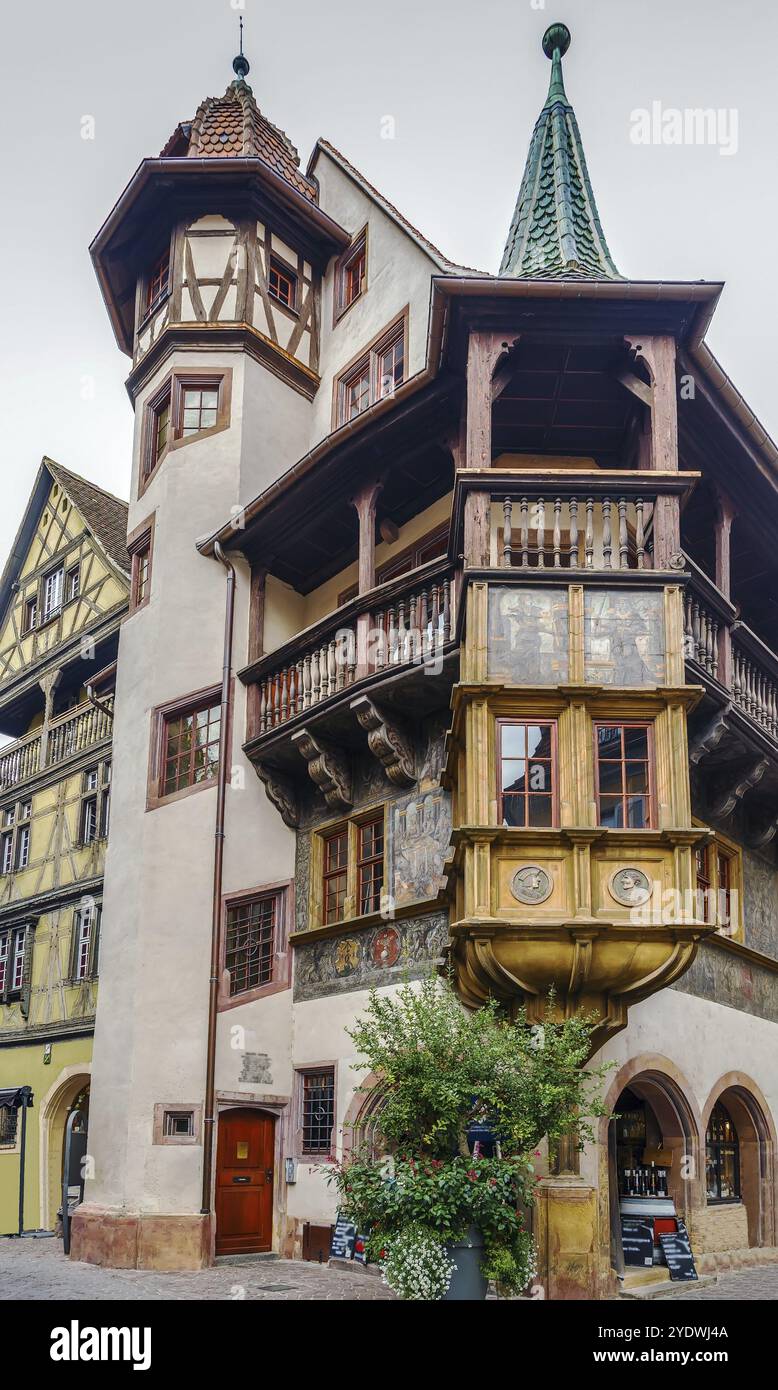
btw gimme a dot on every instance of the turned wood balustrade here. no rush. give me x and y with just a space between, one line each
69 734
414 624
755 680
599 532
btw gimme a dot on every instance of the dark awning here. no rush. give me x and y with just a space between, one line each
13 1099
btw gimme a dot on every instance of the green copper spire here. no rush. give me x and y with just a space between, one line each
556 231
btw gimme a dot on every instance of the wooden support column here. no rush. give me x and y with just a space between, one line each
658 354
725 515
365 503
483 353
48 685
256 644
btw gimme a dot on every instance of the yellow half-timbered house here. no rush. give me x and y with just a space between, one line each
63 594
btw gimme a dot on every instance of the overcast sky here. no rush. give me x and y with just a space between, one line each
464 81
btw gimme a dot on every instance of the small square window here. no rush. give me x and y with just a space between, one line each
179 1124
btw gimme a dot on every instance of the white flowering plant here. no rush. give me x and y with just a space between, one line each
416 1266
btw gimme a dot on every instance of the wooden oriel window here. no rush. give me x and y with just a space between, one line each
251 941
624 772
375 374
317 1111
158 283
282 282
528 772
370 864
722 1157
351 275
13 951
335 874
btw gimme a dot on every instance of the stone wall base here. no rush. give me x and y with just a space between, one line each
717 1262
101 1236
566 1238
717 1229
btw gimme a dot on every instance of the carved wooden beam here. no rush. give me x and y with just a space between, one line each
747 782
281 791
761 837
710 737
328 768
638 388
387 741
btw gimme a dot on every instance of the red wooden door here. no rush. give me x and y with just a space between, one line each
244 1182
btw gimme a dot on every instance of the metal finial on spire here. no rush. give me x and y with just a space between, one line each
240 64
556 42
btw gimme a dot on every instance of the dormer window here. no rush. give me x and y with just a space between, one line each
351 275
158 283
282 283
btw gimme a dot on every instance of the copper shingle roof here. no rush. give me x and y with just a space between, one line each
234 125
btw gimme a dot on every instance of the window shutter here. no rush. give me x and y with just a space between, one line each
27 969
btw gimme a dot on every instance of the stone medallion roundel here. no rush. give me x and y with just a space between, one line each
630 887
531 885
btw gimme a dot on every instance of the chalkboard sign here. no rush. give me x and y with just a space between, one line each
637 1240
344 1239
677 1251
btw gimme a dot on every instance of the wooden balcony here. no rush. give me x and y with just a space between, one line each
384 644
68 735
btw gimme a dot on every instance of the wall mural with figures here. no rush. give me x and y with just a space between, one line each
624 638
528 643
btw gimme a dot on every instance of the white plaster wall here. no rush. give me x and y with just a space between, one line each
388 291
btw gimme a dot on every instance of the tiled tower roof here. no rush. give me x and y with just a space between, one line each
556 231
234 125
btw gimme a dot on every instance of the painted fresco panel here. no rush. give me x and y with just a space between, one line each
528 635
624 637
725 978
389 953
418 844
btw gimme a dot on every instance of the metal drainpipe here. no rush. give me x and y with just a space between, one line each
218 862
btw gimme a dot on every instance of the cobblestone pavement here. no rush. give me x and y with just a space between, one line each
37 1269
757 1283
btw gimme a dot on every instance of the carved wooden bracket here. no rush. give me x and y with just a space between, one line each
281 791
387 741
761 836
328 768
727 804
710 737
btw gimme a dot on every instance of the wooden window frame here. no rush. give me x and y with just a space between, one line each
11 836
95 907
161 716
368 359
357 249
172 390
71 574
281 978
717 1145
45 615
545 721
287 272
648 725
152 304
298 1097
351 824
29 623
139 542
721 847
9 1129
163 1109
10 954
365 862
100 794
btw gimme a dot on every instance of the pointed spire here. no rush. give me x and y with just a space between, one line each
241 64
556 231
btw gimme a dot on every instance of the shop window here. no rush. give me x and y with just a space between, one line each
527 772
722 1157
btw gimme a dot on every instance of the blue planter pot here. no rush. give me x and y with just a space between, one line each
468 1284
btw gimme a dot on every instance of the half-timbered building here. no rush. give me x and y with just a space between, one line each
63 594
457 645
